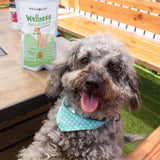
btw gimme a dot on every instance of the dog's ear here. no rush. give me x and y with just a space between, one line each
54 85
134 101
129 79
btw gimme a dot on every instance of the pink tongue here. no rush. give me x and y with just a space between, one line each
89 102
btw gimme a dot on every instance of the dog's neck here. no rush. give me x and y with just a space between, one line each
73 100
38 33
74 105
73 108
69 121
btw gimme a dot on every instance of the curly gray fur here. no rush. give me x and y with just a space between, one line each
111 64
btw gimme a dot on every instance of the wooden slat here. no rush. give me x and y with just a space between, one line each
149 149
145 5
70 28
139 47
145 58
80 23
63 14
12 152
22 117
128 38
20 131
25 81
4 2
137 19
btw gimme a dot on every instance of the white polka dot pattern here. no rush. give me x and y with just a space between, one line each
69 121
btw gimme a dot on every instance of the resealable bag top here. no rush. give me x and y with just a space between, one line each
37 20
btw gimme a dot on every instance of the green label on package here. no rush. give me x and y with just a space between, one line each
34 54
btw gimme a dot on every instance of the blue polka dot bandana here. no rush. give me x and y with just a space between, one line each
69 121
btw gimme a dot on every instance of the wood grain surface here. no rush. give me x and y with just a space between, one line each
4 2
145 51
149 149
145 5
124 15
17 83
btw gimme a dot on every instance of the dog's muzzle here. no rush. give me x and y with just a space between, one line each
92 82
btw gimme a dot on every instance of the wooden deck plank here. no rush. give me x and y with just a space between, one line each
146 52
145 58
11 152
2 2
24 116
145 5
149 149
124 15
21 131
128 38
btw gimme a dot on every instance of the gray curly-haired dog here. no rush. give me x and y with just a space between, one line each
97 80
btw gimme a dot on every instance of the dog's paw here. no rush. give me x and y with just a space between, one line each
133 138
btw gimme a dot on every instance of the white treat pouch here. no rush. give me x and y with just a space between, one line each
38 22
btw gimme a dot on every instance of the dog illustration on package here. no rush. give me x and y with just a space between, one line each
42 42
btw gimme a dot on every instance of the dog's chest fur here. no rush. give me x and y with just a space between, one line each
98 144
92 144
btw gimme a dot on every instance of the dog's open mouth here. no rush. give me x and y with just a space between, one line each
89 102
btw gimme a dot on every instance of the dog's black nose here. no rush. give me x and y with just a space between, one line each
92 82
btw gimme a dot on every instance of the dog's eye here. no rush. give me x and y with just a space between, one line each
84 60
111 65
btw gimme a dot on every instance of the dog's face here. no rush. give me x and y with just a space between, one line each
98 76
37 29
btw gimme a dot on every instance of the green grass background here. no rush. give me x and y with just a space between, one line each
147 119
